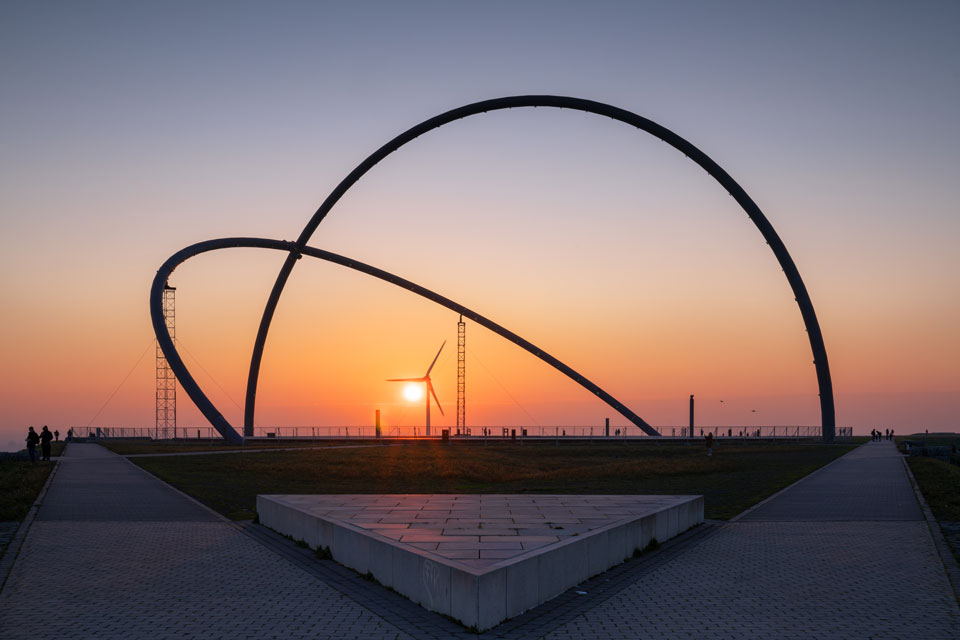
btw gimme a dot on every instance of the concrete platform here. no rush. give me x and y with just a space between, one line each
480 559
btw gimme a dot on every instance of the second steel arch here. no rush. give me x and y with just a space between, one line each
825 385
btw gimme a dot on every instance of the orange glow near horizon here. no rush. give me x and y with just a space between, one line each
599 244
338 336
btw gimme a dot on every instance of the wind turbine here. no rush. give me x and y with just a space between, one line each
426 379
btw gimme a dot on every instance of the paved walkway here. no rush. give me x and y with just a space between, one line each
845 553
116 553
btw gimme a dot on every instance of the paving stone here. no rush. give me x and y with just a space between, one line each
481 575
97 565
818 572
803 566
869 484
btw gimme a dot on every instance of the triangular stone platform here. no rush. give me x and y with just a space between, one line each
479 558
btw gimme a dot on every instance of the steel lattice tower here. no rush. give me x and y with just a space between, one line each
166 382
461 370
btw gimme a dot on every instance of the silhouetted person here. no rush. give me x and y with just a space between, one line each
709 444
32 441
56 434
45 438
70 434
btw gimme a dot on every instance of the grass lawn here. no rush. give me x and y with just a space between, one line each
130 447
940 484
932 439
20 484
732 480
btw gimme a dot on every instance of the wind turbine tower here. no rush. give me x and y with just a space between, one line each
429 389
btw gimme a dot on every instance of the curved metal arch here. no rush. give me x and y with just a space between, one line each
221 424
827 410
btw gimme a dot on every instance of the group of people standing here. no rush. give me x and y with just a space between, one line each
44 438
877 436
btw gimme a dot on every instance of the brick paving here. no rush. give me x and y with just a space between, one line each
868 484
842 554
845 553
115 553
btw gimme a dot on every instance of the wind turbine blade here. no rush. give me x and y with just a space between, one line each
406 379
435 361
434 394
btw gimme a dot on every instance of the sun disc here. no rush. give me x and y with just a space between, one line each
412 392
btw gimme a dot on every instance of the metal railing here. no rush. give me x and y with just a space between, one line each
520 431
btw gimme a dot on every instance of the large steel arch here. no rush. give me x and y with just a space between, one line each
827 411
221 424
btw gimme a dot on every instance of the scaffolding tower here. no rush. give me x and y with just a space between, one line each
461 370
166 423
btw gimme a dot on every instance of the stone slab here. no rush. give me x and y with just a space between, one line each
485 558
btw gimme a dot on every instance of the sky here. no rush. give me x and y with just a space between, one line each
132 129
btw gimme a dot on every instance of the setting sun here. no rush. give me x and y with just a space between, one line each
412 392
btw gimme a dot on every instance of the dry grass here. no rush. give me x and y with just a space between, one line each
20 484
732 480
131 447
940 484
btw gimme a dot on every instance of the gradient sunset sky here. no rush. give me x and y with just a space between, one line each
129 130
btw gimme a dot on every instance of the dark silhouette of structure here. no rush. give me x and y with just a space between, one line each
299 248
223 426
166 408
461 377
429 387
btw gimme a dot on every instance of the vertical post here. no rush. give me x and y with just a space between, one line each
690 433
378 423
607 428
